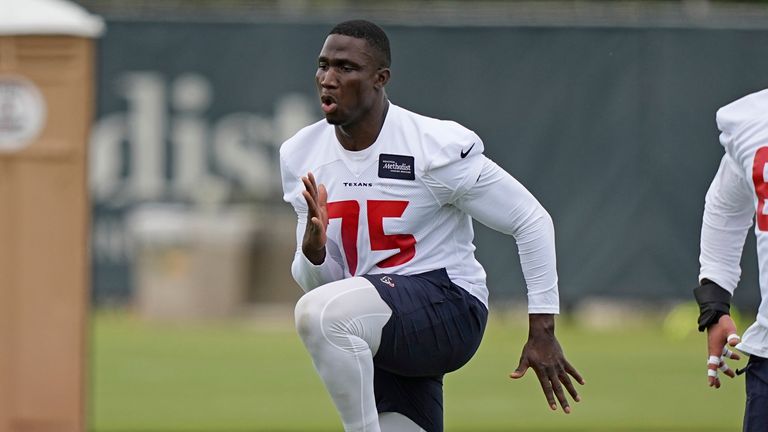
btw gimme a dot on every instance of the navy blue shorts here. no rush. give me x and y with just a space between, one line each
435 328
756 412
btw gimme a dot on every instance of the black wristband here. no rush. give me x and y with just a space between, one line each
714 301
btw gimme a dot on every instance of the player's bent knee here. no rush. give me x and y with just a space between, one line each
316 308
335 309
307 315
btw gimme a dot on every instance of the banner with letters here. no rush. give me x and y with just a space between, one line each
611 128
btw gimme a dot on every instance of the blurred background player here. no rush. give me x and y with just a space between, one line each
395 297
738 192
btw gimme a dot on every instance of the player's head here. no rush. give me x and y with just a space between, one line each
378 42
353 68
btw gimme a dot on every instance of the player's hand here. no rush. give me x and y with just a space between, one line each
313 244
721 336
542 352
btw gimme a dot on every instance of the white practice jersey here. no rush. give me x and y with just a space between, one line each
403 206
738 195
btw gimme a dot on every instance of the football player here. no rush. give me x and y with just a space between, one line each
736 197
385 198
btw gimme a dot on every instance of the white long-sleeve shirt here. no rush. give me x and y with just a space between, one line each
738 194
404 205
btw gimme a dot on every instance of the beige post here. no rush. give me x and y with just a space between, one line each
46 99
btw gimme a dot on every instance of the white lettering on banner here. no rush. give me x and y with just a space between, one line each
189 136
164 147
253 168
207 161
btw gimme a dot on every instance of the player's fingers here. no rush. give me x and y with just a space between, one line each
573 372
554 379
726 369
714 382
560 394
322 196
713 362
730 354
521 368
546 386
310 195
309 185
715 345
712 377
733 339
726 328
317 224
563 377
312 209
308 198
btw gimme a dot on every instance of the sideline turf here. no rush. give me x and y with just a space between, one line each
236 376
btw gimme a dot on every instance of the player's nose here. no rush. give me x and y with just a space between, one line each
327 78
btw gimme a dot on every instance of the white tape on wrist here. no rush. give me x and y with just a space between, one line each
712 373
713 360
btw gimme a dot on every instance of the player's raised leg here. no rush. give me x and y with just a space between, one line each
396 422
340 324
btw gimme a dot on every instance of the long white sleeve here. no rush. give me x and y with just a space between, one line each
728 213
308 275
500 202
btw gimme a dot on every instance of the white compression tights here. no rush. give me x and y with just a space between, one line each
340 324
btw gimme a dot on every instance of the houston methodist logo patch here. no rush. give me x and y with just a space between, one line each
396 167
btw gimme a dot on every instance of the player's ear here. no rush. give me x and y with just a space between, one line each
382 78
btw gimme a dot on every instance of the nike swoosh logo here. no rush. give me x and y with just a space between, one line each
465 153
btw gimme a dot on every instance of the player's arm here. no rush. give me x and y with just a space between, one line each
314 239
309 275
500 202
728 214
316 261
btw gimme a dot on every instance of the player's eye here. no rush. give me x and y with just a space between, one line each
322 66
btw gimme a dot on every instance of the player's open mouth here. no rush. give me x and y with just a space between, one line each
328 104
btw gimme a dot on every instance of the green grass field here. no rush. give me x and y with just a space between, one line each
239 376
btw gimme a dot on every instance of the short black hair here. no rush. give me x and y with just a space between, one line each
369 31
